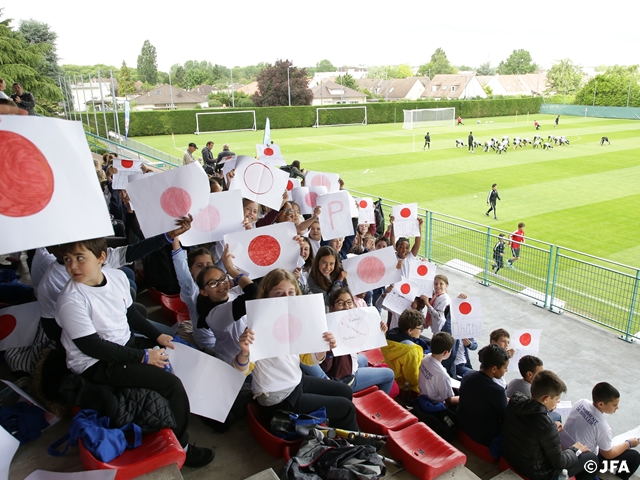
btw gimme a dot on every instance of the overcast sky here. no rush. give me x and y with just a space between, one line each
344 32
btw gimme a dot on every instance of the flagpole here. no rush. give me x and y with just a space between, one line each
104 112
115 105
95 115
172 106
84 95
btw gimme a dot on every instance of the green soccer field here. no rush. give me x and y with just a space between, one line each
582 196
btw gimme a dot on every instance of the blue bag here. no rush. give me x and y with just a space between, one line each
289 425
428 406
103 442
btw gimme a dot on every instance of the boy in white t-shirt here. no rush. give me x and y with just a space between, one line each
434 381
587 424
96 314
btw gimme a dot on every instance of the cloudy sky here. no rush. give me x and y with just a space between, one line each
345 32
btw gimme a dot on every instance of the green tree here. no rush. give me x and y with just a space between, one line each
401 71
273 86
613 88
148 63
518 63
438 65
125 83
485 69
177 73
325 66
86 70
564 76
35 32
225 98
348 81
390 71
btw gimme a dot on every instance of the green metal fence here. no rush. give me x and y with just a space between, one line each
632 113
554 277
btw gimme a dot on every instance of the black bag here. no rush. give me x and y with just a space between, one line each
379 215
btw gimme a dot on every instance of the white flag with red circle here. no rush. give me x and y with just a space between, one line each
323 179
408 211
223 214
422 273
366 214
49 193
307 198
466 317
270 154
293 183
18 325
124 165
228 164
405 220
125 171
525 341
260 250
371 270
160 199
260 182
408 289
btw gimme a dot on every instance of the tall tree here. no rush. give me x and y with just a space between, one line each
125 83
273 86
518 63
485 69
438 65
613 88
325 66
35 32
148 63
348 81
564 76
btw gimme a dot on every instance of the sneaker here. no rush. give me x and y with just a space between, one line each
495 218
510 265
487 214
198 456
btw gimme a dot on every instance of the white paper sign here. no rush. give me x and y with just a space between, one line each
335 217
617 440
162 198
371 270
307 198
287 325
198 373
323 179
356 330
8 446
365 211
408 211
524 342
229 164
466 317
87 475
120 181
223 215
293 183
353 206
260 250
409 290
18 325
406 228
46 169
260 182
48 416
396 303
270 154
422 273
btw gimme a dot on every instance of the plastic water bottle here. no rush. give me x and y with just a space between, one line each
564 475
167 365
406 392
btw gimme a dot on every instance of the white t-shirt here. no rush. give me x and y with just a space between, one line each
3 95
587 425
438 318
84 310
461 358
276 374
226 331
500 381
434 381
406 264
41 261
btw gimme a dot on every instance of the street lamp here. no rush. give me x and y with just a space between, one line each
289 84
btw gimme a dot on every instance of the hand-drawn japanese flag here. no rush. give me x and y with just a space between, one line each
293 183
160 199
371 270
18 325
260 182
270 154
405 212
224 214
228 164
356 330
260 250
307 197
335 217
365 211
422 273
124 165
408 289
405 222
525 342
323 179
466 317
47 177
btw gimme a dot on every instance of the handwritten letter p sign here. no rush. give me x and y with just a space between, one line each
335 219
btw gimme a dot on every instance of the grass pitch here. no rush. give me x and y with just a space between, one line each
582 196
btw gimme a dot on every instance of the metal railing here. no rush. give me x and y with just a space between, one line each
128 149
556 278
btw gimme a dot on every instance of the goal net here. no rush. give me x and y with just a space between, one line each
337 116
427 117
231 121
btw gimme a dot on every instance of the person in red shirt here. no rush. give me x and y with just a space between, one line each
517 239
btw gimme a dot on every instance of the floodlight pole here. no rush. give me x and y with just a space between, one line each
233 100
289 84
629 93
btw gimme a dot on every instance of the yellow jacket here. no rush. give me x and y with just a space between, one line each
405 361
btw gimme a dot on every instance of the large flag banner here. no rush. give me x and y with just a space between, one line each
224 214
371 270
127 114
48 189
267 132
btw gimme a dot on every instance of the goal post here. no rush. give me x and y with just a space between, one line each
337 116
242 120
426 117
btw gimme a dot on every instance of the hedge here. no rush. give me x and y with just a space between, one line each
165 122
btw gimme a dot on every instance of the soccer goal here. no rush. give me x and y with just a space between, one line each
221 122
426 117
340 116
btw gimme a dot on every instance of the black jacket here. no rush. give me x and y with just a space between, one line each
531 444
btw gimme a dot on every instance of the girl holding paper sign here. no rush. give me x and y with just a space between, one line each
437 304
278 382
327 274
404 252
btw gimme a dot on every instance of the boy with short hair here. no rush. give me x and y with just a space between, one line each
531 441
492 198
529 367
501 338
586 423
517 239
434 381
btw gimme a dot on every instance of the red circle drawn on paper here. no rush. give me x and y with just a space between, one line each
26 178
175 201
320 181
405 212
422 270
370 270
207 220
264 250
7 325
363 204
405 288
310 199
287 328
525 339
465 308
268 151
258 178
289 185
126 163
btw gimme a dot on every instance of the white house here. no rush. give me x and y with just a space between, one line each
454 87
90 93
331 93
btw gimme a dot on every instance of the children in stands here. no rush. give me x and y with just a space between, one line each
529 366
437 304
501 338
404 251
315 235
327 274
434 381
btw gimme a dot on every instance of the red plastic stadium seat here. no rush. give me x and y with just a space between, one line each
374 356
171 307
423 452
366 391
378 413
480 451
157 450
154 295
275 446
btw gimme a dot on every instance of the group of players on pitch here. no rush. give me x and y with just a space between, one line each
501 146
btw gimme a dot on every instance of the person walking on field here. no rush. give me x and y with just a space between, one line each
517 239
491 200
472 147
427 141
557 121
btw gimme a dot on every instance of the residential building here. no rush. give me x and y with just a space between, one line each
454 87
165 97
331 93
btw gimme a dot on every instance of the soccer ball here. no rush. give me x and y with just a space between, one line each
478 121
